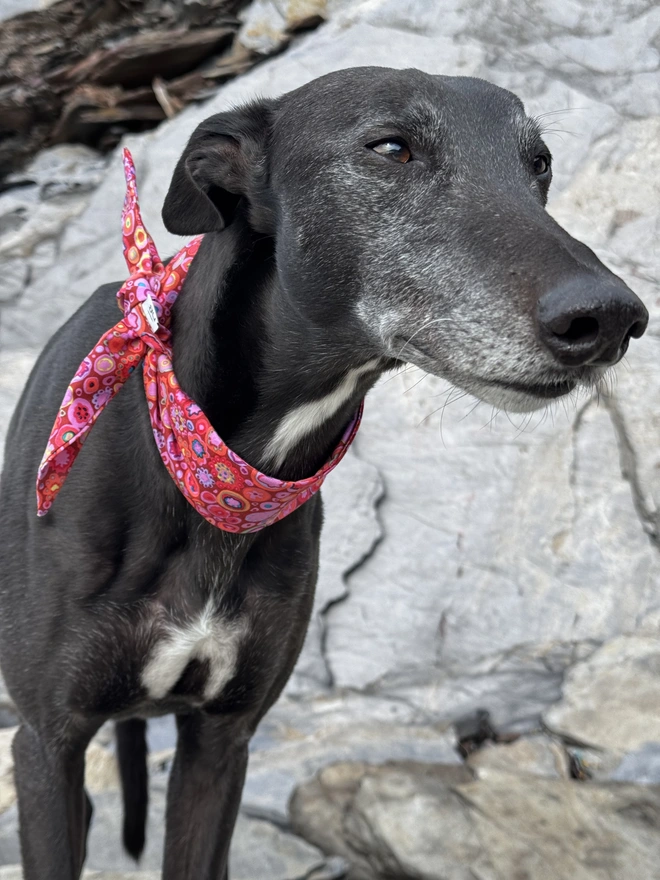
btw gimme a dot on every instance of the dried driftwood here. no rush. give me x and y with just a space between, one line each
90 70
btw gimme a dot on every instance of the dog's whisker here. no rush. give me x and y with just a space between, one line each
421 379
428 323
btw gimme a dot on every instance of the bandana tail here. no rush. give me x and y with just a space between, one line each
62 451
140 250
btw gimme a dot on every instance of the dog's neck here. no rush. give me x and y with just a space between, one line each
278 389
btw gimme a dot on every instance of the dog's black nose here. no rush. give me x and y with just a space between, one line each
588 321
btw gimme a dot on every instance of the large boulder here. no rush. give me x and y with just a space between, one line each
434 822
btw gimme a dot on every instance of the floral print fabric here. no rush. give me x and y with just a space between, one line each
223 488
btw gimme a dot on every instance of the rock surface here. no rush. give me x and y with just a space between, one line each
512 567
297 739
612 701
435 822
529 756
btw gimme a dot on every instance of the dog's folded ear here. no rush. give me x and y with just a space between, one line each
223 165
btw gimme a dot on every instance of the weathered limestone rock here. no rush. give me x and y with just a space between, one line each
640 765
435 822
15 368
612 700
296 739
528 756
101 770
8 8
349 501
268 24
52 189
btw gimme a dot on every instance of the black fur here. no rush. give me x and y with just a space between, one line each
132 759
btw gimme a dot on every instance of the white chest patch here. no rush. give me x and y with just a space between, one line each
306 418
209 638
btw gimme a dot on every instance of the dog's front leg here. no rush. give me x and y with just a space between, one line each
54 810
203 797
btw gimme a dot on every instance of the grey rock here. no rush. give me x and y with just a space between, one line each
333 868
14 276
342 808
642 765
529 756
514 543
15 206
298 738
51 190
62 170
437 822
9 8
350 497
45 221
260 849
44 255
264 27
7 708
15 367
594 764
611 700
268 24
514 687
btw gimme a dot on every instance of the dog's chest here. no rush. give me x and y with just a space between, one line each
195 656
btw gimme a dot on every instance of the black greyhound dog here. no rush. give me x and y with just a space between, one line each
369 218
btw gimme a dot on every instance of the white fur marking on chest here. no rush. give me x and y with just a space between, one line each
308 416
210 638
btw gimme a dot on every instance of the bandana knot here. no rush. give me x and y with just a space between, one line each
224 489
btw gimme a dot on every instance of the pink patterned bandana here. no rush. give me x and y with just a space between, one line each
224 489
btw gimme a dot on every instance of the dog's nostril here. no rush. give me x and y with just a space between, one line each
581 330
587 321
637 329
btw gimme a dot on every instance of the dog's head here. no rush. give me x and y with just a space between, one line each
408 215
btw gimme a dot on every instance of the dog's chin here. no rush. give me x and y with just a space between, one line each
514 395
519 397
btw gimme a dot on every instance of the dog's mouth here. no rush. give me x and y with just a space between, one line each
542 390
513 395
522 397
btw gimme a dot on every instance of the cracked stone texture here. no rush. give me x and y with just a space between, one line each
409 820
612 701
298 738
536 755
484 563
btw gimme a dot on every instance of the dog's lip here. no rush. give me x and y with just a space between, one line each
547 390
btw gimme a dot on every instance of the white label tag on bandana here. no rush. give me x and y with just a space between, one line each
149 312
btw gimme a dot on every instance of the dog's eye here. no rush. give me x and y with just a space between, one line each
399 151
542 164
